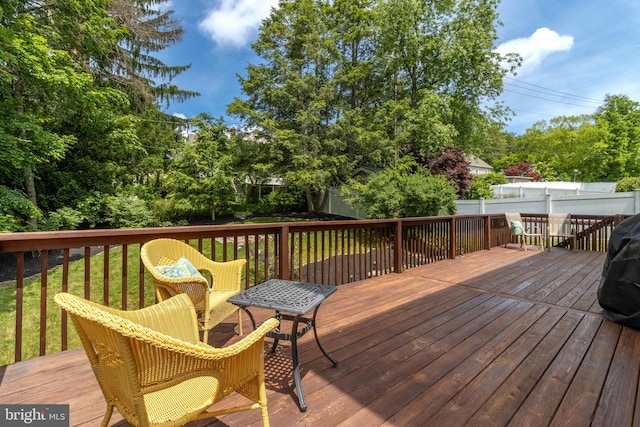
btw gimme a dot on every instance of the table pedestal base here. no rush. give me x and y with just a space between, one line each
296 332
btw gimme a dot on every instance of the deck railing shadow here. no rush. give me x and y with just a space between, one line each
407 361
500 337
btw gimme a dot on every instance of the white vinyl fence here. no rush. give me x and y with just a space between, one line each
584 204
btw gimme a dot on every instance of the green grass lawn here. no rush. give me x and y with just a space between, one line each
96 283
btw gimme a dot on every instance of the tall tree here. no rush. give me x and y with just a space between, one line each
40 84
360 84
619 118
444 68
149 28
292 97
350 83
202 177
76 73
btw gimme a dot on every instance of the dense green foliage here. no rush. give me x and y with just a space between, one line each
403 88
604 146
362 83
405 191
631 183
77 81
480 187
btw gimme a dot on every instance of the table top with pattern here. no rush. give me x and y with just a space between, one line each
284 295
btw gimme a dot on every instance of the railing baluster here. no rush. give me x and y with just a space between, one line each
105 276
87 272
19 305
44 264
64 343
125 275
141 281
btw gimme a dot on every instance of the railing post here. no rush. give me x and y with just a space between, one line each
284 253
397 248
453 241
488 238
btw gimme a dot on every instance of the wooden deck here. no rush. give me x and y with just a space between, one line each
499 337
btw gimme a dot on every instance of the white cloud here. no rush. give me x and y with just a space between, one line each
180 115
234 22
534 49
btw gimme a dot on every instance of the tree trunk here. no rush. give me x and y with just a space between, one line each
325 199
310 201
30 187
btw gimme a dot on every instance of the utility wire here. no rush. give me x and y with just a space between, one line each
551 100
594 104
552 91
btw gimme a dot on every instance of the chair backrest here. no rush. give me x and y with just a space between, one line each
513 219
164 252
126 357
559 224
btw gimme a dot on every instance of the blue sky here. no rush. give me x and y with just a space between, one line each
575 53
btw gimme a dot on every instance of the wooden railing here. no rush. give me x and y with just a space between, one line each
592 231
105 266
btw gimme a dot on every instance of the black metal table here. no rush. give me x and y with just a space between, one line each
291 301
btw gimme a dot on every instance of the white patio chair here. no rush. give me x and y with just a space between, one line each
518 230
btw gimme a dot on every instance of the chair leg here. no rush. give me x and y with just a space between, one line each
240 322
265 417
205 335
107 415
262 400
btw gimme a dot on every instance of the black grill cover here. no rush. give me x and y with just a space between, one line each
619 288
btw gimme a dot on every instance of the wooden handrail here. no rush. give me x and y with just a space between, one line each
332 252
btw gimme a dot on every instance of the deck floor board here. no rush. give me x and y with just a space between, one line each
493 338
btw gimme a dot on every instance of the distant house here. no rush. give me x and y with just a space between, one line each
361 174
477 166
511 179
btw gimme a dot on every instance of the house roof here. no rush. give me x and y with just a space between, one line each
477 162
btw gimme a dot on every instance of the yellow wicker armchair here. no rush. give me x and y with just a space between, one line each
153 368
210 300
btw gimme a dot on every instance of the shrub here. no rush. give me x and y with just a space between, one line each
628 184
93 207
127 212
396 193
481 185
480 188
15 210
10 223
62 219
282 200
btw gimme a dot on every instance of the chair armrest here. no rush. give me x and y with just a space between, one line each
227 276
536 230
149 348
240 360
257 335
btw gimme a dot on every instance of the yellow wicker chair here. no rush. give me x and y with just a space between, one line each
152 366
210 301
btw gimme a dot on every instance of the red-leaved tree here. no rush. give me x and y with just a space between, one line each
453 164
523 169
